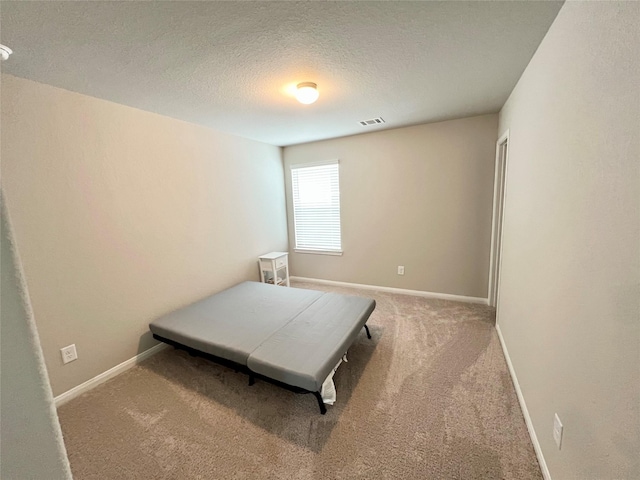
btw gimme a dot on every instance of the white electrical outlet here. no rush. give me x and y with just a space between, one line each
69 353
557 430
400 270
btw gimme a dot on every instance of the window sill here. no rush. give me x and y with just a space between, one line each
319 252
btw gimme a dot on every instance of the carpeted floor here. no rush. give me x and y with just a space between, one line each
429 397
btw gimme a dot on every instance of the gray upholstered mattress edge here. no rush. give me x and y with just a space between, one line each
298 348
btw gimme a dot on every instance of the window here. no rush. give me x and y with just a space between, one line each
316 207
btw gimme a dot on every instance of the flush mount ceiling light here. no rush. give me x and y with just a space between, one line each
307 92
5 52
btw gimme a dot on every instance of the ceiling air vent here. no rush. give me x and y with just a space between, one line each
373 121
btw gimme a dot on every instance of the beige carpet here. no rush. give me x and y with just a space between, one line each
429 397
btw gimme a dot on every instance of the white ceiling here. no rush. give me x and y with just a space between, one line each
231 65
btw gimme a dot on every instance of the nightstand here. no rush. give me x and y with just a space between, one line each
271 265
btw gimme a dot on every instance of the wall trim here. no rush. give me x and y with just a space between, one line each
525 411
104 376
401 291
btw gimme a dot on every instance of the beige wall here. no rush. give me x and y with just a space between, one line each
418 196
569 299
121 215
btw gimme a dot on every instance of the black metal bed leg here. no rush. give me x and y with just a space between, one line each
367 329
252 380
323 409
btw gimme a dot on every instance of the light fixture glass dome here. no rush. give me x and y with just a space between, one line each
307 92
5 52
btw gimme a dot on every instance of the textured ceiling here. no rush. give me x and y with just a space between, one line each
232 65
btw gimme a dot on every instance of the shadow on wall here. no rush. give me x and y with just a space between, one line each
146 342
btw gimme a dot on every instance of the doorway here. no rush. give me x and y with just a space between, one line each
499 194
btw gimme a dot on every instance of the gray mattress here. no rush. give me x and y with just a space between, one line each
292 335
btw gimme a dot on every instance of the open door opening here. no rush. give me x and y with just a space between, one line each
499 195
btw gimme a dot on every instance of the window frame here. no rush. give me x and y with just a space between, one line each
292 167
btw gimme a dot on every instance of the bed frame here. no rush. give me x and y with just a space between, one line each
295 346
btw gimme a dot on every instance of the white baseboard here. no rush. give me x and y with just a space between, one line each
103 377
401 291
525 411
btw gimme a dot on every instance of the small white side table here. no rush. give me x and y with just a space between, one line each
273 263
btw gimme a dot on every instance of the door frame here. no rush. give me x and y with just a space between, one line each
497 220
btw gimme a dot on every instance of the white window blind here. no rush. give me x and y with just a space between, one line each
316 207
